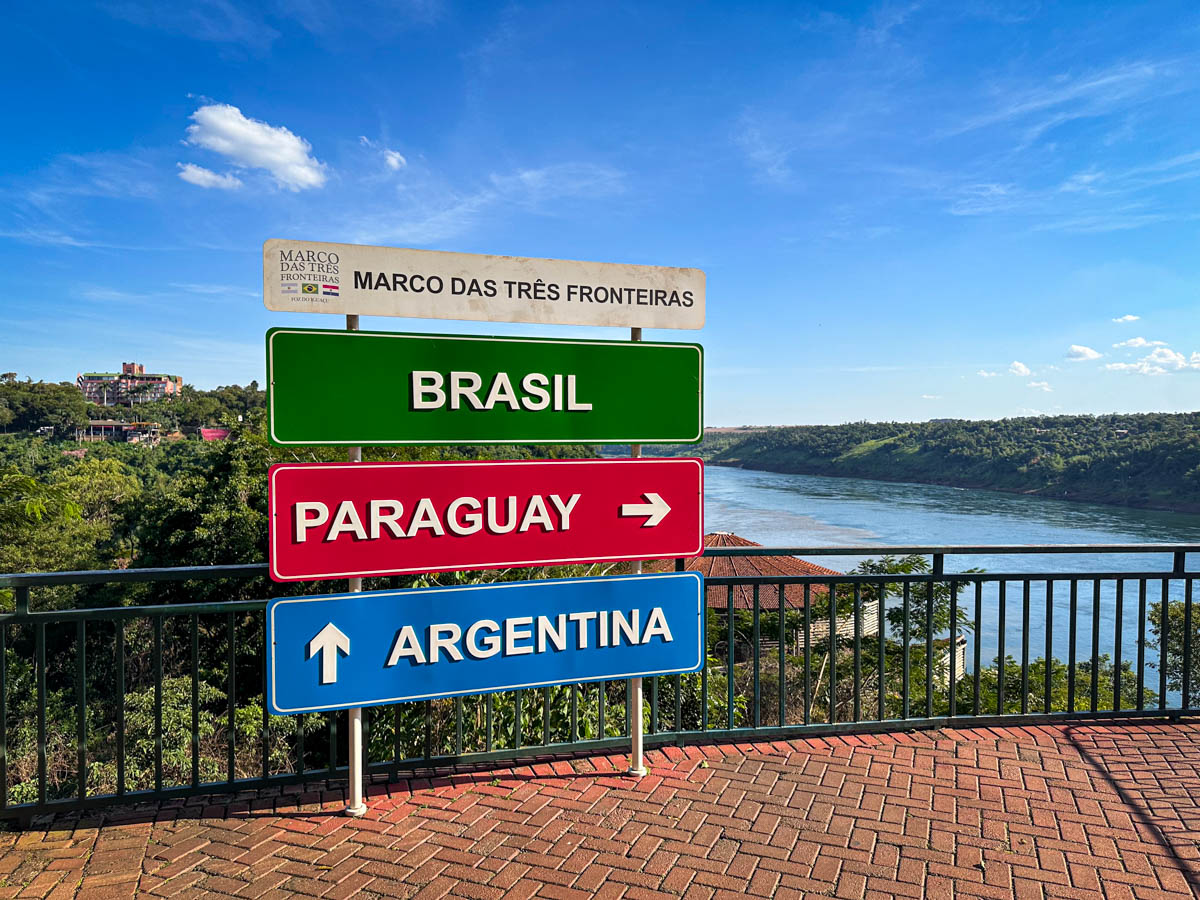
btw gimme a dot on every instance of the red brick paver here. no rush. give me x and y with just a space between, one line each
1039 812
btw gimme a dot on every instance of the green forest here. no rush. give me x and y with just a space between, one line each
1149 460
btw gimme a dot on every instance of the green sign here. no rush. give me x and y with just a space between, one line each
365 387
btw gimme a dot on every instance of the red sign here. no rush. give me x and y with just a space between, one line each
347 520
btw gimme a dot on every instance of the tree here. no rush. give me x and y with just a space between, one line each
1177 638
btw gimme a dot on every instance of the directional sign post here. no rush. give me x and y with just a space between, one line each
304 276
362 387
334 520
351 388
383 647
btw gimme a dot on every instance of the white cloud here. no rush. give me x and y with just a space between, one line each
1081 182
216 289
1019 368
427 214
393 159
984 373
931 396
256 145
1080 353
206 178
768 156
1041 386
1159 362
1140 342
1127 318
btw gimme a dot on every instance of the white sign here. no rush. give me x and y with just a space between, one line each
349 279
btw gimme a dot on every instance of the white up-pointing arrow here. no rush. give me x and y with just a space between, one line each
328 642
656 509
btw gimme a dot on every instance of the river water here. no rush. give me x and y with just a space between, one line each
813 511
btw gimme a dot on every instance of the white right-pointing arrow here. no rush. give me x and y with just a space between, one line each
328 642
656 509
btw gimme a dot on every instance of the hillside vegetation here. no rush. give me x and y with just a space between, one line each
1149 460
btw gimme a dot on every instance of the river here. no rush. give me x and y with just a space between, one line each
814 511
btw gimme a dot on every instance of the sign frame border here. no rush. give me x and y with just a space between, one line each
274 603
271 437
374 573
493 258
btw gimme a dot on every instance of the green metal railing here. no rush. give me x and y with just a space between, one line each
150 701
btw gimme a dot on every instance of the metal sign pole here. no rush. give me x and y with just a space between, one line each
354 801
637 767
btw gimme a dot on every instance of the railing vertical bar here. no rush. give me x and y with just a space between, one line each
546 714
882 677
757 635
857 652
1047 668
1141 646
301 765
231 696
952 649
1025 647
678 703
975 641
629 708
458 726
906 681
730 640
601 703
490 723
1187 643
427 734
1073 621
654 705
807 654
1118 621
333 742
1000 614
929 650
574 713
265 725
1095 698
81 699
119 652
397 741
195 742
40 651
782 656
158 687
1164 644
4 716
833 642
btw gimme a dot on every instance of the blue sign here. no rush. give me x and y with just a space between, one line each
370 649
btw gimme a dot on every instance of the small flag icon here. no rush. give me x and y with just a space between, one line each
308 288
290 289
330 290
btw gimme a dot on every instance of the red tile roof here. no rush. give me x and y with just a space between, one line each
747 566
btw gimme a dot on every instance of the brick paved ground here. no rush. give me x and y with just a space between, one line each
1085 811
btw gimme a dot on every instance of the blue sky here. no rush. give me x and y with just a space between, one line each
905 211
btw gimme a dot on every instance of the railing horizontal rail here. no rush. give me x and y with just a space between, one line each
250 570
929 578
134 612
133 576
951 549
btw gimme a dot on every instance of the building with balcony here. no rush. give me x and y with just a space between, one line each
133 384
